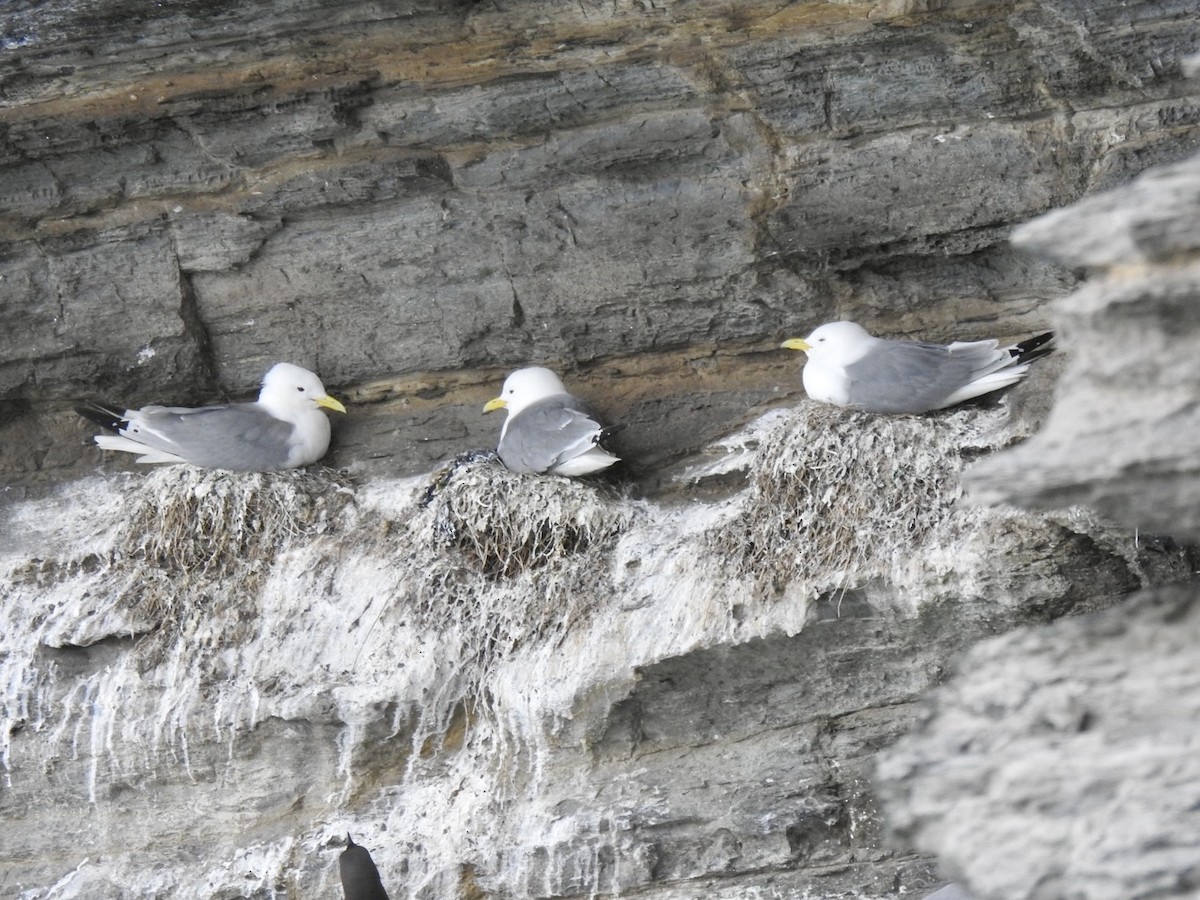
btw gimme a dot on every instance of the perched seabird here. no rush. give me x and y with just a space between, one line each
284 429
548 431
360 878
848 367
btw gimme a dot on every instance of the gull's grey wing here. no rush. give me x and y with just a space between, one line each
915 377
239 436
547 433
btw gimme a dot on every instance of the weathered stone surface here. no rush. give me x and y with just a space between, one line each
1145 222
510 685
1124 437
530 688
443 192
73 303
1058 763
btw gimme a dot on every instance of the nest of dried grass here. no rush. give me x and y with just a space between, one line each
195 535
837 497
504 524
491 561
198 523
487 560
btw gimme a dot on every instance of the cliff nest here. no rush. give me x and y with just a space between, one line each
837 496
193 536
198 523
492 560
504 523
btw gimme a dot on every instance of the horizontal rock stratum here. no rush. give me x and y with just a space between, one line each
674 685
413 200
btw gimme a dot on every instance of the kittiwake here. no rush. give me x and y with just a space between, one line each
284 429
848 367
547 430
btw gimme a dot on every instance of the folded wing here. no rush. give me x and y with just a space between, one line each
238 437
915 377
559 435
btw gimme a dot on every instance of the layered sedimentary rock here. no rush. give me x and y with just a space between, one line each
413 200
1059 762
672 687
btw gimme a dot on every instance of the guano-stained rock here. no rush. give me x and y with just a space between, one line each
673 686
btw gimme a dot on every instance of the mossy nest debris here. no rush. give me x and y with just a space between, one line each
837 497
202 523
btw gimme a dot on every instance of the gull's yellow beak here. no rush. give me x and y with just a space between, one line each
493 405
796 344
329 403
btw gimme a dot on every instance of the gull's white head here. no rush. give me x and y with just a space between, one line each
834 341
524 387
288 389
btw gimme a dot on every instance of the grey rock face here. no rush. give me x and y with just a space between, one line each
1057 763
949 892
529 688
1124 437
513 685
413 200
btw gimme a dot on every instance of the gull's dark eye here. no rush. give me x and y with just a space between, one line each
300 389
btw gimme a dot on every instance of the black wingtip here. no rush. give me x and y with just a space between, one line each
1034 347
609 431
350 840
108 417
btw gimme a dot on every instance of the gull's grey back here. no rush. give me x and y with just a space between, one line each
238 437
915 376
547 433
